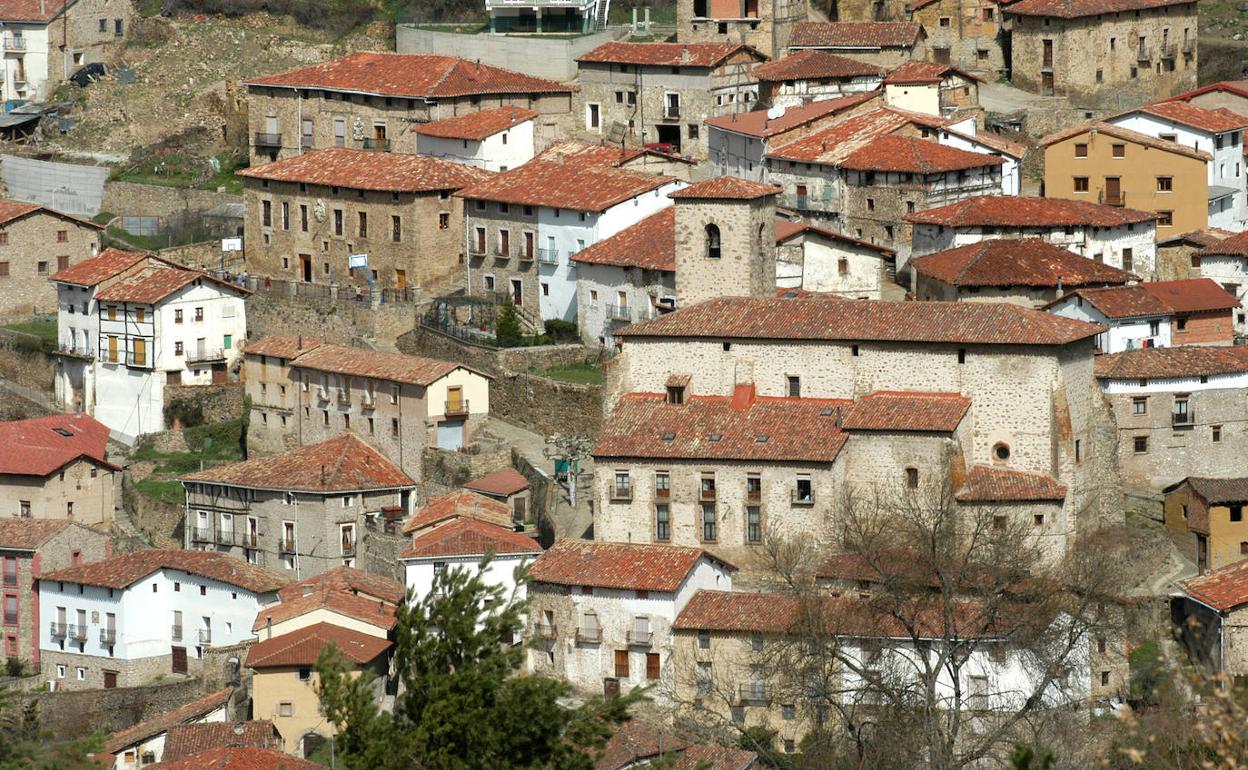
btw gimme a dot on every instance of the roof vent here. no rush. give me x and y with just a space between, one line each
760 439
669 437
825 412
239 729
715 437
64 432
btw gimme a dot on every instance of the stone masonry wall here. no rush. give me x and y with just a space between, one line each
149 200
32 250
326 320
220 403
75 713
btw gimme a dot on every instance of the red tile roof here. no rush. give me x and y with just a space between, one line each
786 230
703 756
854 34
427 76
904 411
650 245
815 65
1021 262
1171 363
759 124
634 741
618 565
185 740
371 611
1237 87
503 483
349 580
991 141
30 10
725 188
459 504
469 537
241 758
1232 246
572 152
379 365
907 154
101 267
1216 491
915 71
833 144
342 464
565 186
11 210
988 485
1187 114
666 54
826 318
123 571
365 170
281 347
1015 211
154 284
28 534
303 646
183 714
1127 135
1073 9
713 428
39 446
1223 589
1192 295
475 126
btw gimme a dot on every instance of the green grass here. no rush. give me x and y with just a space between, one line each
211 444
178 170
578 374
103 218
143 242
43 328
161 490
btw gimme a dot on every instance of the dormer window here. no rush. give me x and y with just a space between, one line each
675 394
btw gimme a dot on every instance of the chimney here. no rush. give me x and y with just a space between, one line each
839 416
322 476
559 157
743 396
1060 289
684 54
299 342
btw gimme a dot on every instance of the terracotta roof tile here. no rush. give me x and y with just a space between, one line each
342 464
987 485
1237 87
503 483
991 141
759 124
833 144
703 756
475 126
281 347
303 646
123 571
185 713
30 10
349 580
1021 262
650 245
618 565
364 609
366 170
1073 9
101 267
469 537
1232 246
920 156
1210 236
458 504
1179 362
665 54
1217 491
854 34
154 284
915 71
1187 114
185 740
379 365
904 411
1192 295
39 446
18 534
786 230
634 741
409 75
241 758
1015 211
1223 589
1126 134
713 427
726 188
826 318
11 210
815 65
565 186
572 152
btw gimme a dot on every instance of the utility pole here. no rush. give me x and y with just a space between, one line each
572 449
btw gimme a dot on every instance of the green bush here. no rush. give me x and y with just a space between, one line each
14 667
560 331
507 326
189 413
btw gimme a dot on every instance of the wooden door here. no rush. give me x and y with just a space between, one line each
1046 84
305 267
179 660
112 350
110 680
400 279
1113 189
140 352
1048 54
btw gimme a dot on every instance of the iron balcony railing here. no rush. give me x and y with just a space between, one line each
15 42
1144 53
202 535
305 142
77 632
175 633
455 407
589 635
205 635
753 692
348 549
1178 419
544 631
798 497
286 546
108 636
10 578
477 249
639 638
265 139
381 145
76 351
207 354
548 256
619 312
58 630
622 492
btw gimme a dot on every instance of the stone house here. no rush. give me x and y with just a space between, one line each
883 43
509 487
1212 509
304 510
370 100
662 93
144 744
1222 257
1159 314
819 260
932 89
765 25
456 505
57 467
1209 619
964 33
309 214
644 160
130 619
524 225
304 393
28 549
811 75
1117 236
460 545
495 140
47 42
601 613
36 241
1103 54
1225 94
1179 412
1026 271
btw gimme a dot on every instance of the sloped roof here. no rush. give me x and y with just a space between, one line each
636 740
985 484
1021 262
101 267
154 284
758 123
185 740
1223 589
572 186
503 483
786 230
826 318
457 504
1191 295
919 156
123 571
1232 246
18 534
1187 114
915 71
665 54
815 65
350 580
1179 362
366 610
635 566
42 445
854 34
238 758
303 646
650 245
281 347
725 188
475 126
366 170
410 75
573 152
187 712
1073 9
1217 491
1017 211
1127 135
469 537
1237 87
1210 236
379 365
11 210
907 411
342 464
833 144
706 756
31 10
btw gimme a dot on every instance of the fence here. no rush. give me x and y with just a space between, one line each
320 291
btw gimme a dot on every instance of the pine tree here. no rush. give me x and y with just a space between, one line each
507 326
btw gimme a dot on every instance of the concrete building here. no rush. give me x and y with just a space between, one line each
1223 257
303 510
460 545
309 218
1120 237
819 260
1100 54
765 25
1160 314
884 43
368 100
932 89
968 34
1179 412
130 323
36 241
46 42
130 619
546 16
813 76
303 392
1209 617
57 467
1027 271
601 613
495 140
144 744
662 93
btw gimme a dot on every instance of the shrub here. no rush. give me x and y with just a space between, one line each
507 326
14 667
559 331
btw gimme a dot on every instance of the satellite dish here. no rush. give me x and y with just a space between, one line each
775 112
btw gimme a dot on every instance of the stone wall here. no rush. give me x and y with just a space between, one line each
339 322
220 403
75 713
423 341
204 255
443 470
542 497
149 200
551 57
379 553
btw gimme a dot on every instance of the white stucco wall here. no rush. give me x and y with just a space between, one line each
497 152
1124 334
598 288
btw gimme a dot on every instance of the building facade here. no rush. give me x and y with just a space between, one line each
460 545
57 467
495 140
819 260
1159 314
969 34
765 25
1212 510
34 243
884 43
813 76
46 43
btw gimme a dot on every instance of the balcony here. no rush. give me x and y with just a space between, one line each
286 546
589 636
344 396
526 255
205 635
1189 45
1144 53
380 145
671 112
249 540
58 630
76 632
455 407
305 142
368 400
204 355
348 549
477 250
1113 199
622 493
1183 420
72 351
265 139
544 631
753 693
14 43
201 535
800 497
175 633
108 636
1168 50
548 256
10 578
619 313
706 495
639 638
226 537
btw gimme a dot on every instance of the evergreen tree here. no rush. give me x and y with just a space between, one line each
507 326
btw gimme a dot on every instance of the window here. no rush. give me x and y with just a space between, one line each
1237 513
199 314
363 217
305 673
592 116
1128 259
266 213
945 21
177 350
1140 444
62 236
118 27
704 639
338 222
1081 184
675 394
1139 405
708 522
1165 219
285 709
662 522
753 524
1081 150
712 241
1165 184
444 220
803 492
988 13
652 665
623 489
621 664
1118 150
1216 433
795 386
693 130
912 477
42 267
788 712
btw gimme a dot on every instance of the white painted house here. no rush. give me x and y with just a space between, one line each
1226 261
602 613
819 260
144 744
129 324
126 620
965 135
496 139
460 545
